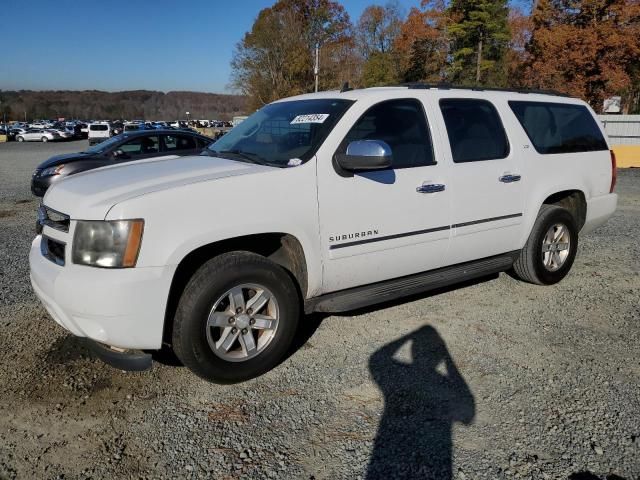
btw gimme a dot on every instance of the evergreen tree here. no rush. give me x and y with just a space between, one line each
479 33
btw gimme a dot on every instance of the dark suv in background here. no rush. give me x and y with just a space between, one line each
126 147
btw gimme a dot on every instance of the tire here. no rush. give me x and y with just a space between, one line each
44 139
538 262
21 139
194 341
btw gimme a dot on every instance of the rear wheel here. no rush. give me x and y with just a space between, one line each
551 248
236 318
21 139
44 139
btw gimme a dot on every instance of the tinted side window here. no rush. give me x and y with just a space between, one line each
559 127
179 142
475 130
203 143
402 125
140 146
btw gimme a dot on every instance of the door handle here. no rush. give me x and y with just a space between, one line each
430 188
510 178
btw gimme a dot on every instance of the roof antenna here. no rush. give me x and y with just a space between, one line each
345 87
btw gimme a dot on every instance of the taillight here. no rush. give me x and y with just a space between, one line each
614 171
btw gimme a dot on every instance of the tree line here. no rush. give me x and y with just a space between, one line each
136 104
586 48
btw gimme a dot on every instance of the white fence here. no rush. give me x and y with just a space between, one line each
622 129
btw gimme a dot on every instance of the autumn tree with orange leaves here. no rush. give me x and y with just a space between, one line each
587 48
423 44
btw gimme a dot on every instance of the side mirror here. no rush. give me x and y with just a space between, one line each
364 155
118 154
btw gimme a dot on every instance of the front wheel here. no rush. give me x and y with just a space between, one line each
20 139
44 139
551 248
236 319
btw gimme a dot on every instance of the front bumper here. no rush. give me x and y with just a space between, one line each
124 308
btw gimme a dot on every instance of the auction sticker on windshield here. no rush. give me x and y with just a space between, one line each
310 118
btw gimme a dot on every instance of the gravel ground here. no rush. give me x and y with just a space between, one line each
494 380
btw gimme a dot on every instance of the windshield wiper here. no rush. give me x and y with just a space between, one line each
248 156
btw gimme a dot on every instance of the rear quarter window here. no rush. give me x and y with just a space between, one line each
559 127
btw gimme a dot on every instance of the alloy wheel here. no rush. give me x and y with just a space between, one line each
555 247
242 322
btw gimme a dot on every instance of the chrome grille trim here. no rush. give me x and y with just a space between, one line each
52 218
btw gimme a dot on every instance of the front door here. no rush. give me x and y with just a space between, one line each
383 224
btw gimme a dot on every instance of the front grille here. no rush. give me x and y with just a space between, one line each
52 218
52 250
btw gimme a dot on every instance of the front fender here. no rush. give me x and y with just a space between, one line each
182 219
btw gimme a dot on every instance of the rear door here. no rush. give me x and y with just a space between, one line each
486 180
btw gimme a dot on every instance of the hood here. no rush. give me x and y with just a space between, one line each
64 158
90 195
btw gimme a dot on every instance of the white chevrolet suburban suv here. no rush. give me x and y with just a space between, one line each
321 202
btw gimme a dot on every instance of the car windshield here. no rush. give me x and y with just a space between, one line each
281 134
105 145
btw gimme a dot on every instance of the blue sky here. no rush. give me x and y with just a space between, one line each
127 44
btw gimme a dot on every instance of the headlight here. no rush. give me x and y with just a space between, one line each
108 244
48 172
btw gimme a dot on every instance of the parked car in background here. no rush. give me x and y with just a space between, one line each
238 120
38 135
14 132
99 132
77 131
84 129
126 147
63 132
117 128
132 127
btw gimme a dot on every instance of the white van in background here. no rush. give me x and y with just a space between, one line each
99 132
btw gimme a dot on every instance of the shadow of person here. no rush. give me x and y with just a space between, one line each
422 400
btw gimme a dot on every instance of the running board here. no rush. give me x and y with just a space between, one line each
359 297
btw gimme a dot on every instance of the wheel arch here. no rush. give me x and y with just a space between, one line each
573 200
572 197
282 248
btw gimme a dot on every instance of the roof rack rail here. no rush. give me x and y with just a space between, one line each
448 86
